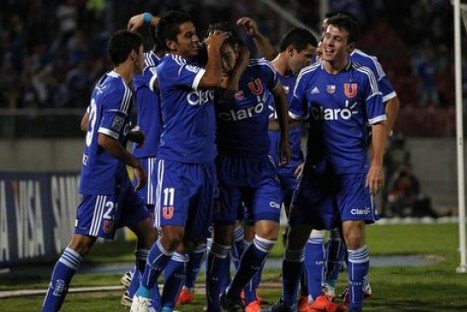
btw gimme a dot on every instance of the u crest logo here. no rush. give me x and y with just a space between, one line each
350 90
256 87
167 212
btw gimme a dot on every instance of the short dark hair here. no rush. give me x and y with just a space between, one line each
169 26
298 37
346 22
234 37
120 45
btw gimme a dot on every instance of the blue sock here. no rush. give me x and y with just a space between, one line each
197 258
157 260
292 269
217 265
252 262
358 266
175 273
238 245
251 288
315 258
336 255
134 285
63 272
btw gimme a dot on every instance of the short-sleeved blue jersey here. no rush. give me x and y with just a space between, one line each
339 109
148 108
243 120
110 114
188 118
386 88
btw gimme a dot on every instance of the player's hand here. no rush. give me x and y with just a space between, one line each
136 136
299 170
375 179
249 25
285 153
231 87
216 39
140 176
135 22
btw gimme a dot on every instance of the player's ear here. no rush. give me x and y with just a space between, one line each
171 45
350 47
290 50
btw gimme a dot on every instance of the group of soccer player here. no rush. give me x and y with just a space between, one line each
218 143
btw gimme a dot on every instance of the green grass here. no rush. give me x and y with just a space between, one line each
435 287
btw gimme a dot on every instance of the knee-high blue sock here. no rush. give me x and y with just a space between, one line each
358 266
315 258
252 262
157 260
141 258
175 273
336 256
292 269
218 263
63 272
197 258
238 245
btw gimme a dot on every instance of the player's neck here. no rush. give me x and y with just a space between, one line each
280 65
125 71
335 66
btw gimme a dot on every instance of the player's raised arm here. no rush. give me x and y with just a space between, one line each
213 76
137 21
264 46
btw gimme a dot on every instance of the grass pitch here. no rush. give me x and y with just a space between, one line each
427 288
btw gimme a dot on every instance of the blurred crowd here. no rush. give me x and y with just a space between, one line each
52 52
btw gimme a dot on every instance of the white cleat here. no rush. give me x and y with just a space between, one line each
142 304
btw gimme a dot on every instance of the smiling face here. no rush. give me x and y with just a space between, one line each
187 43
336 46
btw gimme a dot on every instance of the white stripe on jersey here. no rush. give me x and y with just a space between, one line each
97 215
379 69
126 100
263 62
158 209
307 69
370 74
150 192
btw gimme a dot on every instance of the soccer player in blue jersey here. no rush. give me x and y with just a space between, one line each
246 174
108 200
339 99
186 170
150 123
391 101
296 49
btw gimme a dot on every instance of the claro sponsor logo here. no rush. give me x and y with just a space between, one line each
200 97
364 211
244 113
321 113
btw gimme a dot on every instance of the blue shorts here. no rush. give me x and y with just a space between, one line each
148 192
286 174
102 215
251 181
185 196
325 200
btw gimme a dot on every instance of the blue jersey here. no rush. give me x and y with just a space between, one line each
110 114
294 135
148 108
243 120
372 63
188 118
339 109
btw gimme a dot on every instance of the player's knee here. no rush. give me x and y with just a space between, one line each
354 240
